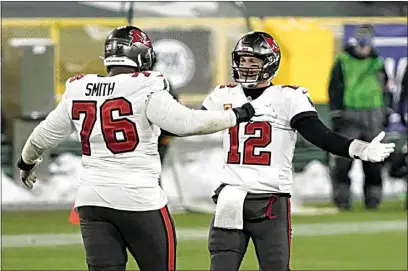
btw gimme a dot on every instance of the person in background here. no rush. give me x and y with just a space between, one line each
403 99
359 101
398 167
403 104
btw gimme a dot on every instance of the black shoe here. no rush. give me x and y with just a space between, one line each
372 204
343 205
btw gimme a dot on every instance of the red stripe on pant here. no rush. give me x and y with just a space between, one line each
289 215
170 239
268 211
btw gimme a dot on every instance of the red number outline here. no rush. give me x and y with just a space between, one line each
76 77
136 74
249 157
124 125
89 109
228 86
109 126
265 138
234 156
291 86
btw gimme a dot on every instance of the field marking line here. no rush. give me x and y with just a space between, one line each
190 234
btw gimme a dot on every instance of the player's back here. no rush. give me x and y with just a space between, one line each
119 144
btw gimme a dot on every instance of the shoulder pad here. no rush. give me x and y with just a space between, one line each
220 89
290 86
150 74
153 77
75 78
227 86
295 87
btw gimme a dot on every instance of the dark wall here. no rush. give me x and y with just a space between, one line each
52 9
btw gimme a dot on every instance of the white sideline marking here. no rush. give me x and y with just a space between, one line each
189 234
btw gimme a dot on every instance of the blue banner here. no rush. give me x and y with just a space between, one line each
390 41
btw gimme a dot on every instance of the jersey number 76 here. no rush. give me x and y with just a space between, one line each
109 126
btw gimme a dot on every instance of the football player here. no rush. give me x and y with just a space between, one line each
253 200
118 119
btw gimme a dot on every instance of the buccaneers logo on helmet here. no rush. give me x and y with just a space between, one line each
139 37
274 46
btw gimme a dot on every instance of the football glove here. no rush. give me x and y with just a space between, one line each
263 111
27 173
254 112
375 151
244 113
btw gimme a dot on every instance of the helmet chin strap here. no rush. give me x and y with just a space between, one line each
253 85
249 85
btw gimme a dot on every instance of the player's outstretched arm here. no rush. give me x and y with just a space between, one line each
303 117
164 111
47 135
314 131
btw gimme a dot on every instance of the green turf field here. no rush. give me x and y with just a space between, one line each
356 240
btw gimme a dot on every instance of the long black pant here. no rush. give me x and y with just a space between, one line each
268 223
364 125
107 233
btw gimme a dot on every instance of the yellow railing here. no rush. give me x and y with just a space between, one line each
77 51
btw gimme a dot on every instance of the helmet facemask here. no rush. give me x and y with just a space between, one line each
250 69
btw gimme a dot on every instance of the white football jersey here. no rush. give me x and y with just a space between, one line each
117 120
121 164
258 155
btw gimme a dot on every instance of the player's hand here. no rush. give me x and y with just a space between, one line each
253 111
244 113
375 151
27 173
263 111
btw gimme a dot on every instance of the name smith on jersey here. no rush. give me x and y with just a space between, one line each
99 89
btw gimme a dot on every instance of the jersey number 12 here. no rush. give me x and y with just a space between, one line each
109 126
249 156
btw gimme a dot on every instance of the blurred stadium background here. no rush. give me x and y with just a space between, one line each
45 43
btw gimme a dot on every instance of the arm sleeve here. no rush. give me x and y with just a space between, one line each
49 133
168 114
336 88
314 131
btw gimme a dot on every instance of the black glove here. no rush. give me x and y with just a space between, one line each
23 166
244 113
27 173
